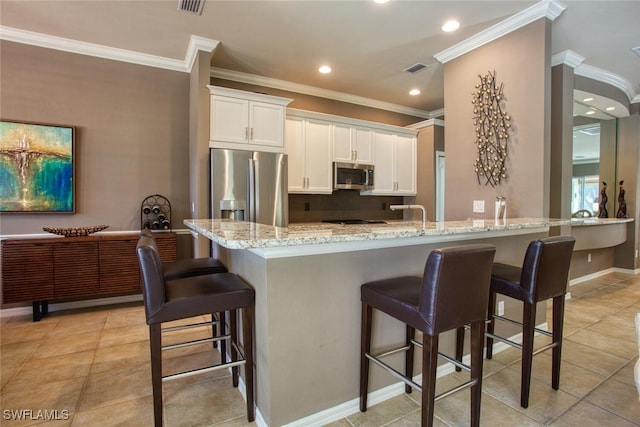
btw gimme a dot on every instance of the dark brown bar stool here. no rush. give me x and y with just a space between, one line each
453 292
543 275
187 267
169 300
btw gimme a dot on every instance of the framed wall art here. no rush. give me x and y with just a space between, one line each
37 168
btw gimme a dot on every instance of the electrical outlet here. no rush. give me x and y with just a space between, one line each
588 257
636 253
500 308
478 206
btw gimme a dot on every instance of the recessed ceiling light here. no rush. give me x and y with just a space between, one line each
589 99
610 108
590 112
414 92
381 1
450 26
325 69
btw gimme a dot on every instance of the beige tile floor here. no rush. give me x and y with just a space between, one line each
92 366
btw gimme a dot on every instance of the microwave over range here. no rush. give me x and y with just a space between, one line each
352 176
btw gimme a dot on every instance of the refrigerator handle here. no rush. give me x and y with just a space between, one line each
251 196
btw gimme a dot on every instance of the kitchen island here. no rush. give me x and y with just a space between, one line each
307 279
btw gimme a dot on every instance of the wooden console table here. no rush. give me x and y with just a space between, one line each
44 269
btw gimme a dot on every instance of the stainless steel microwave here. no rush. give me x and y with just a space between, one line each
352 176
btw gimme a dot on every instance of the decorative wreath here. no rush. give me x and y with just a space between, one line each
492 130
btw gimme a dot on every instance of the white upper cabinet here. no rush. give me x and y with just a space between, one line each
352 144
246 120
314 141
395 164
308 145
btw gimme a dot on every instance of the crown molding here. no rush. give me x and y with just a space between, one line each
568 58
253 79
611 79
426 123
106 52
197 43
544 9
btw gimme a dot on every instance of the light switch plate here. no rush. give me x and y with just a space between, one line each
478 206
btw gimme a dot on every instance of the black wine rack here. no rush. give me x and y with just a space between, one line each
155 213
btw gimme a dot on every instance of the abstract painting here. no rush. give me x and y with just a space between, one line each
37 171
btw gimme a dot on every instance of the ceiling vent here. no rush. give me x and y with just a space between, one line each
415 68
191 6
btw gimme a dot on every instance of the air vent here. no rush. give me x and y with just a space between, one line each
636 50
191 6
415 68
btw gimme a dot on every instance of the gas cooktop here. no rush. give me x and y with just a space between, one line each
354 221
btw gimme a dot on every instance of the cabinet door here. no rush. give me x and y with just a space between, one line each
362 145
384 182
27 272
342 151
119 270
318 157
266 123
294 147
229 119
405 165
76 269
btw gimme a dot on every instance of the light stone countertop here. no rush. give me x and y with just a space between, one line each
599 221
248 235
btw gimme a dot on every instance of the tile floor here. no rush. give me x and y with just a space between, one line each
92 366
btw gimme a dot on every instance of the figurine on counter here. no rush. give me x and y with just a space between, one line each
603 202
622 204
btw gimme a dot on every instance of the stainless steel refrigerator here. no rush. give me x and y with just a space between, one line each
249 186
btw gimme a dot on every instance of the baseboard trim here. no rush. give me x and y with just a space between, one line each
27 309
600 273
351 407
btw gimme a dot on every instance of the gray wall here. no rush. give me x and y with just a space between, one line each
521 61
131 132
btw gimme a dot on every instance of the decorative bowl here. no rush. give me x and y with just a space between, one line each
74 231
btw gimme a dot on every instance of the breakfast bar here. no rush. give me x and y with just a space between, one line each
307 280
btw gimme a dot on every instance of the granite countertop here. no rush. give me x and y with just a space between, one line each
248 235
598 221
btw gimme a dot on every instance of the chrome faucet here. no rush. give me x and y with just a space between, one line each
404 207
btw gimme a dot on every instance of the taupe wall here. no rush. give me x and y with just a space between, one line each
521 61
327 106
430 140
132 129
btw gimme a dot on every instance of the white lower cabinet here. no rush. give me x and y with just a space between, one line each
395 164
308 145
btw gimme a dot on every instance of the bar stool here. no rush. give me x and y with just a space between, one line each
543 276
169 300
453 292
187 267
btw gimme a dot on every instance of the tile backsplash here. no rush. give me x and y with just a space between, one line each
342 204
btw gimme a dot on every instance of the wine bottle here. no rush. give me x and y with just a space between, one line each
155 225
161 217
146 209
166 224
147 225
156 209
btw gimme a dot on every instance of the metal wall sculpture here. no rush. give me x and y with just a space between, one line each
492 130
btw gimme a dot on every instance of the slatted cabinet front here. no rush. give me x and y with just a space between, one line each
74 267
